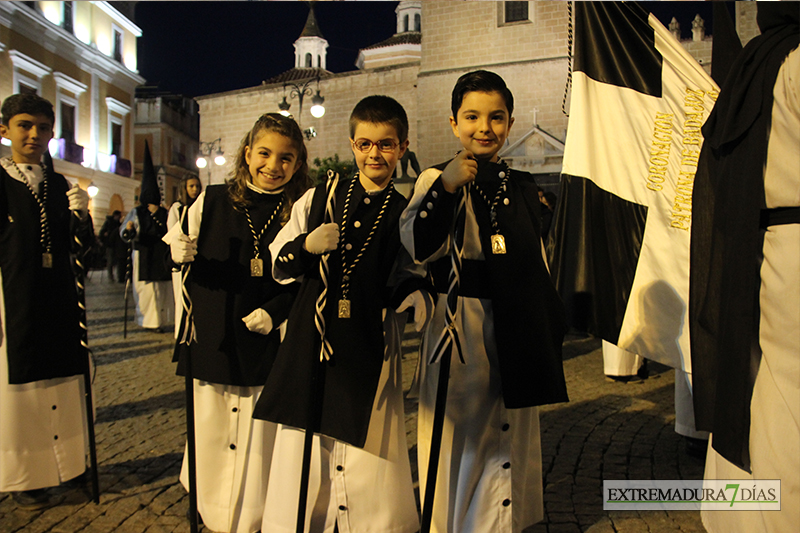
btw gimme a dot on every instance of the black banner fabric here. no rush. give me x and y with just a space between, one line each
615 45
594 250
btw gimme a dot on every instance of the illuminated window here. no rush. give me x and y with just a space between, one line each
68 18
68 91
28 73
117 111
117 44
67 126
116 138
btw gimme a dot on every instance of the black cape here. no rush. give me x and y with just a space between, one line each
727 240
153 252
351 378
43 336
529 317
223 292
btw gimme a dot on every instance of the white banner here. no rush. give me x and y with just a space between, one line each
644 149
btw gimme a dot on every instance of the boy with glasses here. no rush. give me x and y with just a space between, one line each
360 474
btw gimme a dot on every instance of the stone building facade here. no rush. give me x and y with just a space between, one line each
170 125
524 42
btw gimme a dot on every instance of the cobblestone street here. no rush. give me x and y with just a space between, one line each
609 430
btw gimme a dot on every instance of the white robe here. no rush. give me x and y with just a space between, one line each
372 491
775 405
43 431
173 218
233 452
233 449
153 299
490 467
619 362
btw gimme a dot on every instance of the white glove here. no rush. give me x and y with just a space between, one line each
422 303
258 321
323 239
78 200
183 249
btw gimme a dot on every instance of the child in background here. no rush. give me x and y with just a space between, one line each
42 408
238 310
190 189
360 475
508 324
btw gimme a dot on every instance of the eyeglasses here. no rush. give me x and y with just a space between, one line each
365 145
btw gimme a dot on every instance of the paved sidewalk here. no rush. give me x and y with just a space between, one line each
608 430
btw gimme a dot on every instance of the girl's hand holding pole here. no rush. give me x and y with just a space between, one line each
183 249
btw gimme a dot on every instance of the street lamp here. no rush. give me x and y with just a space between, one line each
300 91
92 190
206 150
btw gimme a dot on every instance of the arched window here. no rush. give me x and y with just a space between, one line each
417 23
309 60
319 61
405 22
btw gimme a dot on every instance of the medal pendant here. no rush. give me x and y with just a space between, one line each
498 244
344 308
47 260
256 268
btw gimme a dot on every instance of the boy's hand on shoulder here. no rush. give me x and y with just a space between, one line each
460 171
323 239
78 200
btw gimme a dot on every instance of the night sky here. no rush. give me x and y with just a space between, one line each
198 48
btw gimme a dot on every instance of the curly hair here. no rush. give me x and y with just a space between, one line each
240 175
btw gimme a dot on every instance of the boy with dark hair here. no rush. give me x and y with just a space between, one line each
476 223
360 472
42 409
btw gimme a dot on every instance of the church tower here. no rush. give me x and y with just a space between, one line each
403 47
409 16
310 49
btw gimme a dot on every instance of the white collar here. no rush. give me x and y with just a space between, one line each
259 190
32 173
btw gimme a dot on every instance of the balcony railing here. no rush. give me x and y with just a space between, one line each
121 167
68 151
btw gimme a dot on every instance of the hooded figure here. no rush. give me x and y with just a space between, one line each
144 226
745 274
